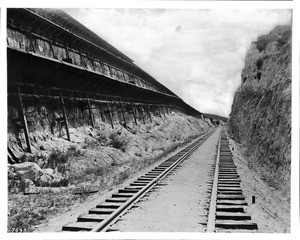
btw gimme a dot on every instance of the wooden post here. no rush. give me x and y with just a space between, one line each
168 111
110 117
99 108
90 113
24 123
159 113
163 111
149 113
122 110
101 115
13 156
65 116
142 114
133 112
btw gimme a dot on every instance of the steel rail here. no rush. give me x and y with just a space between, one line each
213 200
105 223
227 210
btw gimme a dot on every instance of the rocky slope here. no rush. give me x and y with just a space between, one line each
261 112
59 162
60 174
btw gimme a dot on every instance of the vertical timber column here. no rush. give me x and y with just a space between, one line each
149 113
99 108
90 113
163 111
123 115
133 112
24 123
142 114
159 112
110 117
65 116
102 114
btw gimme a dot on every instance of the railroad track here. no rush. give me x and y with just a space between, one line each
106 213
227 211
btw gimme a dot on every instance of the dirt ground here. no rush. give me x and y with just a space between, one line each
178 203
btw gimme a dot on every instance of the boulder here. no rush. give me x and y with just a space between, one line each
45 180
31 174
25 166
47 171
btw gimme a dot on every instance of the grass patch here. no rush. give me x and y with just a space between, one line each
27 211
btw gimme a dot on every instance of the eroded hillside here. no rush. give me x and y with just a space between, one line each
61 173
261 112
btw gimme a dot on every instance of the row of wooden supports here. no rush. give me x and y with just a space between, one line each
64 119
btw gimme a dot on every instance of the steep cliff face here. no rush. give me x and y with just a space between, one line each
260 118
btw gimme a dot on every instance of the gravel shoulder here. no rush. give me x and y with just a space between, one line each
178 203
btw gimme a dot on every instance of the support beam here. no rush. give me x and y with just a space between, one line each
65 116
163 111
133 112
143 117
24 123
149 113
90 113
101 115
122 110
159 113
110 117
99 108
13 156
167 110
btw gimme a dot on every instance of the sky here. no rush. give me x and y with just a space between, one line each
196 53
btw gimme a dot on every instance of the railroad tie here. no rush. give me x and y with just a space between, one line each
230 205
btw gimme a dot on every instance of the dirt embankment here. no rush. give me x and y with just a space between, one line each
261 112
95 159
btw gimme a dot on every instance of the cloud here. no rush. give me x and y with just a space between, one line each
198 54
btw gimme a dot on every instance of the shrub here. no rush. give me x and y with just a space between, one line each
102 138
74 151
58 159
118 141
259 63
285 38
263 41
89 143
